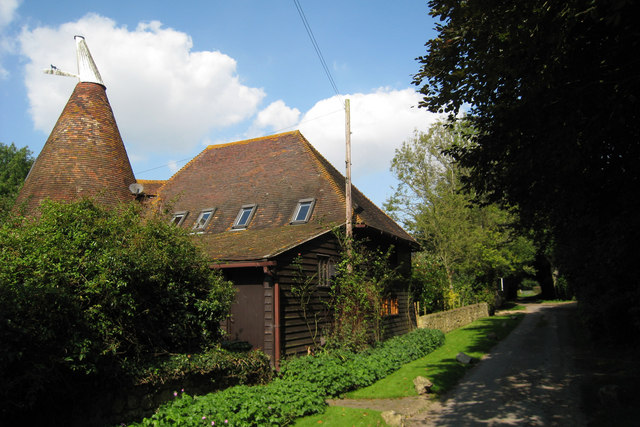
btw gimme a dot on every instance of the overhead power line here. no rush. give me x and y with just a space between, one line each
317 48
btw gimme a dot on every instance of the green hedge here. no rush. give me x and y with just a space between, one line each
302 388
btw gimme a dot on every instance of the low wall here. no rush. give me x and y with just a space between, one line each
449 320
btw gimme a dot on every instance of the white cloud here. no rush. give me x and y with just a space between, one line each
380 122
7 11
276 117
173 166
166 97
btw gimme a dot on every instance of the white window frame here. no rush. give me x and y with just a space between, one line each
199 225
236 223
296 212
182 215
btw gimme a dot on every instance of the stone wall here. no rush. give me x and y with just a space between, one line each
447 321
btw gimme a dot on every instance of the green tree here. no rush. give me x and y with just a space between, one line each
553 92
14 167
474 245
87 294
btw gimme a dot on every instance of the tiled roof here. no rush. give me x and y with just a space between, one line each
83 156
260 244
151 186
273 172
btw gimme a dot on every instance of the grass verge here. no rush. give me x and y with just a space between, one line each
440 366
339 416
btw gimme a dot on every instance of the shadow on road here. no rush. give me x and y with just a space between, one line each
530 378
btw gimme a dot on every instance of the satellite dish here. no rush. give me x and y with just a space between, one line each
136 188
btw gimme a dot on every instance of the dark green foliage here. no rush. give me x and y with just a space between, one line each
14 167
87 293
304 385
554 95
221 366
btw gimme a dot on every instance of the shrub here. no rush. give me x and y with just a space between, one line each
88 292
221 366
275 404
342 371
301 390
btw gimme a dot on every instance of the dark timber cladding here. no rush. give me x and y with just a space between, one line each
304 323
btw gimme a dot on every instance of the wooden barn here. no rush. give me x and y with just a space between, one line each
257 205
253 205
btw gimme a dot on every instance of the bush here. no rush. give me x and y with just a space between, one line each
342 371
275 404
302 388
221 366
87 293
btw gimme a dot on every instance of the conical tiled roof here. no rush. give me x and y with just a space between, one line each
84 155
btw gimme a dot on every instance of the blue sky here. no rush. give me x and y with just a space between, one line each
182 76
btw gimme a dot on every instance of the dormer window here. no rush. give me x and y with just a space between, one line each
203 219
303 211
178 217
244 216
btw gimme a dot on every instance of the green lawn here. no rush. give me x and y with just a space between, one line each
339 416
440 366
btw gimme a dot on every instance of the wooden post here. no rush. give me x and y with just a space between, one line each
347 193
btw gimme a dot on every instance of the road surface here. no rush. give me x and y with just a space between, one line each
528 379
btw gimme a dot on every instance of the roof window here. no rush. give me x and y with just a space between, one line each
303 211
203 219
178 217
244 216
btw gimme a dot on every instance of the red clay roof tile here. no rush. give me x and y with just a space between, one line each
273 172
83 156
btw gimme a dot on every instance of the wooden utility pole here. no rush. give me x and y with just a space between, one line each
347 192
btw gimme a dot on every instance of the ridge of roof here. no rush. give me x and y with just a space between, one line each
228 144
150 181
326 168
249 141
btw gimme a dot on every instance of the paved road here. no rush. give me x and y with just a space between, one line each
528 379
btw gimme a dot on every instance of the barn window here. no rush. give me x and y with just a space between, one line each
244 216
326 270
203 219
178 217
303 211
389 306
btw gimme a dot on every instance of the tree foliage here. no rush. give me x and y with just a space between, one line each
90 292
473 245
554 94
14 167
